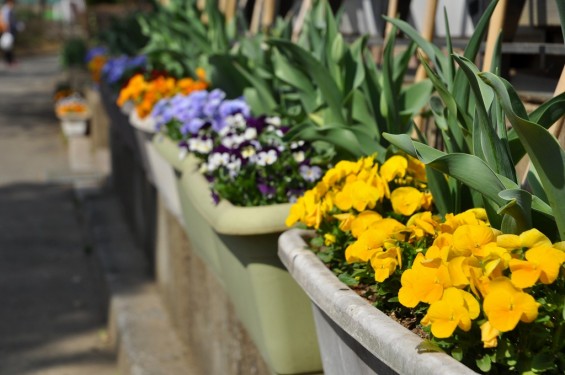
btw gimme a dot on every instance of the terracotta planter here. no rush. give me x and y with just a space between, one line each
242 252
354 336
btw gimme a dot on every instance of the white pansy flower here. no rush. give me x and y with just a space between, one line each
275 121
239 121
228 142
296 144
299 156
204 146
266 158
250 133
248 152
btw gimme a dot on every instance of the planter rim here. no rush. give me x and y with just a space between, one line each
226 218
369 326
170 151
146 124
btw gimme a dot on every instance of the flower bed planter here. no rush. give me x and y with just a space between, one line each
158 169
354 336
74 127
242 252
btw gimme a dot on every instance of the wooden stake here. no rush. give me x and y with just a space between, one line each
231 5
392 12
300 18
256 18
269 7
495 27
427 33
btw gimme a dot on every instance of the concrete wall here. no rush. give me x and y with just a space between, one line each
199 307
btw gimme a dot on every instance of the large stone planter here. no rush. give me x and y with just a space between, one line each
354 336
242 252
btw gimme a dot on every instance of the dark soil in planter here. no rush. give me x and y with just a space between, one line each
408 322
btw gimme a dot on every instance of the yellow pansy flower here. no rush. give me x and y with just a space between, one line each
455 309
385 263
489 335
329 239
542 263
394 167
422 223
363 221
372 240
406 200
423 283
358 195
528 239
416 168
473 239
505 305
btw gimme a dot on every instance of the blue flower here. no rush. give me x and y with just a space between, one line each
231 107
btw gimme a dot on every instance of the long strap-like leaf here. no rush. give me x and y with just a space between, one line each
545 153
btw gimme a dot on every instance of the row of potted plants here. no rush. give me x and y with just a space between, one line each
446 242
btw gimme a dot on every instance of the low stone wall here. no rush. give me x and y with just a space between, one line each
199 307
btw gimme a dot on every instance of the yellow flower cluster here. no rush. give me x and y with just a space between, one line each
485 267
353 187
145 94
462 268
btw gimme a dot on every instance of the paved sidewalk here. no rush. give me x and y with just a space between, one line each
52 313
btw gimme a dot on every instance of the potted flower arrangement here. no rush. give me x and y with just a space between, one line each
480 277
74 113
454 280
95 60
234 191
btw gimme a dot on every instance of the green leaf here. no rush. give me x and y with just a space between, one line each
484 363
262 92
518 210
348 280
428 346
318 73
543 149
486 141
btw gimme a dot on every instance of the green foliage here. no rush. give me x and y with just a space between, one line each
124 35
481 152
73 53
182 37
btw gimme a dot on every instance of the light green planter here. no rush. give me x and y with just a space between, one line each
200 234
271 306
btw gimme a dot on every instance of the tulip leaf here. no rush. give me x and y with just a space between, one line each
518 210
441 191
461 95
261 89
485 138
544 151
318 73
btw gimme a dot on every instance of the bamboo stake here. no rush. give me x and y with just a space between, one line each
392 12
269 7
200 4
495 27
231 5
300 18
427 33
222 6
256 18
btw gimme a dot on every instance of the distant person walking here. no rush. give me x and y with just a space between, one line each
8 29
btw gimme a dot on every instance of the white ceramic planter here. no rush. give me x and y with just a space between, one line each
354 336
240 245
74 128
